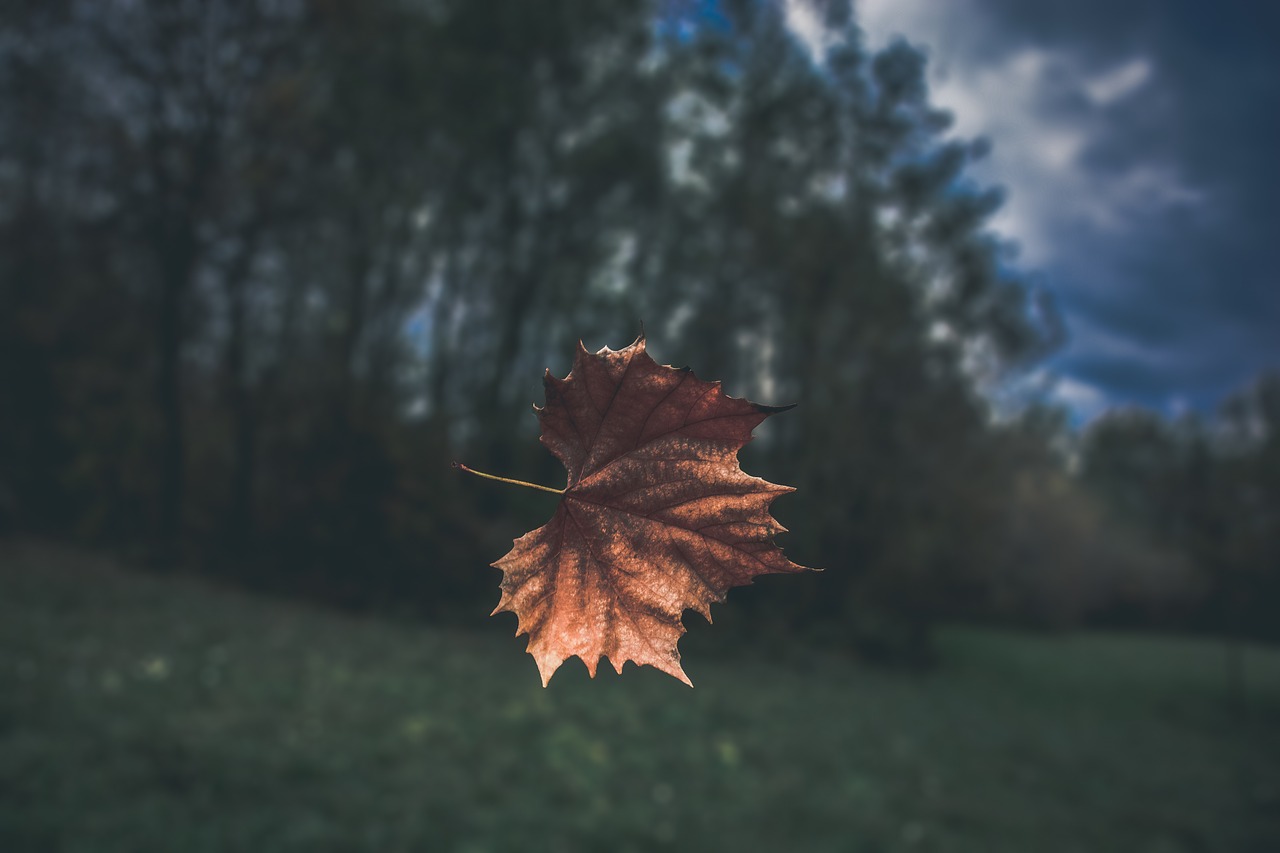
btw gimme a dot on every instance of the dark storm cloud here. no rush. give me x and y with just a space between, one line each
1218 78
1193 290
1159 227
1193 298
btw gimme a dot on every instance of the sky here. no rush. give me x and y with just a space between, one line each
1139 145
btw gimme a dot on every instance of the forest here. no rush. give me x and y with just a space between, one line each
267 269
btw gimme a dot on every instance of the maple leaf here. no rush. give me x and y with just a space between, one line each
657 516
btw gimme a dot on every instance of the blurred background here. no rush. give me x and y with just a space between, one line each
267 268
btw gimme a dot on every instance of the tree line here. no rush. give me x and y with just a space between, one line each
269 267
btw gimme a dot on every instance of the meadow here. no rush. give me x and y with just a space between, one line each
145 713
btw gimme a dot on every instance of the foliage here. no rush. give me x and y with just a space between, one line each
1212 491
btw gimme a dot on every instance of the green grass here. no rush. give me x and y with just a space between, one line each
141 713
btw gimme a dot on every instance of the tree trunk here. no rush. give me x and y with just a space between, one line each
244 415
178 256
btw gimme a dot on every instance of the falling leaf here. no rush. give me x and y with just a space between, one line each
657 517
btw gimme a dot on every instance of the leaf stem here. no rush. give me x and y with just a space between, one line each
462 467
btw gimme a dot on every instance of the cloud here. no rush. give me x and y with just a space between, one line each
1119 83
1137 145
1085 401
804 21
1044 109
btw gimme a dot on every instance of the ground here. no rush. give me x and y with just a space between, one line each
143 713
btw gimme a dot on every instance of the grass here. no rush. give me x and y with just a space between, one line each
141 713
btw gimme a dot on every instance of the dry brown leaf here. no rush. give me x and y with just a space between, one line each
657 517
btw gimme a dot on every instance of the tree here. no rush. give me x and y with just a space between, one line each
1246 572
356 230
829 242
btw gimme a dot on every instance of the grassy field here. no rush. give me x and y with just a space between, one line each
141 713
